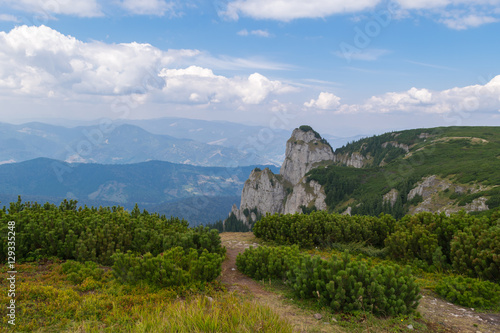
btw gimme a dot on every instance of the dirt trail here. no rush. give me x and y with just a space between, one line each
440 314
302 321
457 318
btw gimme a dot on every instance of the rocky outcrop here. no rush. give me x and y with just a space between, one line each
391 197
428 186
264 192
431 190
397 145
305 194
355 160
303 151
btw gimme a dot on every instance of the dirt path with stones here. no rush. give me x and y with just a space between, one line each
444 316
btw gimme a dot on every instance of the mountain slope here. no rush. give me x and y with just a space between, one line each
199 209
438 169
148 184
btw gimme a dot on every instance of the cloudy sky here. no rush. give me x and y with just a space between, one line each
344 67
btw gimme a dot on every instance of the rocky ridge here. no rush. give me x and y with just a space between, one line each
265 192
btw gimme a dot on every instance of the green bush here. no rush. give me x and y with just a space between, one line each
77 272
174 267
95 234
470 292
419 236
351 286
323 229
266 262
339 284
476 252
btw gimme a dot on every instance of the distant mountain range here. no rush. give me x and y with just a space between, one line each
176 140
184 167
113 144
263 141
150 184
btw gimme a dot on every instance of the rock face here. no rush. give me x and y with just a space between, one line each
264 192
303 151
397 145
431 187
355 160
305 194
391 196
428 186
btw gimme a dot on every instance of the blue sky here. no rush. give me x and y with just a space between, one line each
344 67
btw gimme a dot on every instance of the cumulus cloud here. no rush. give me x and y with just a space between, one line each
147 7
81 8
201 85
37 60
325 101
474 98
41 62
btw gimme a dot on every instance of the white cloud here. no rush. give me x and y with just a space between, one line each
468 21
428 4
325 101
243 32
259 33
473 12
147 7
201 85
8 18
41 62
294 9
81 8
475 98
37 60
231 63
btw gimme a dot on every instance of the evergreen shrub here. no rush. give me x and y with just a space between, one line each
470 292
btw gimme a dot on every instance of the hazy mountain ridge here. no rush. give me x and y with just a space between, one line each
258 140
149 184
112 144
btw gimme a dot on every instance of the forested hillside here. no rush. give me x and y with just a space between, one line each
453 166
153 185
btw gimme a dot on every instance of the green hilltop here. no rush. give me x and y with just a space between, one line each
464 163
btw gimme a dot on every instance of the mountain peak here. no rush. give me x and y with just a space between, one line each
304 150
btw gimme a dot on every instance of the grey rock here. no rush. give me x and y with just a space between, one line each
303 151
288 191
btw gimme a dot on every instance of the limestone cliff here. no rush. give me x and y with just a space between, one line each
303 151
264 192
355 160
305 194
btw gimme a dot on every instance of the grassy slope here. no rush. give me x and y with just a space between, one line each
47 302
448 151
